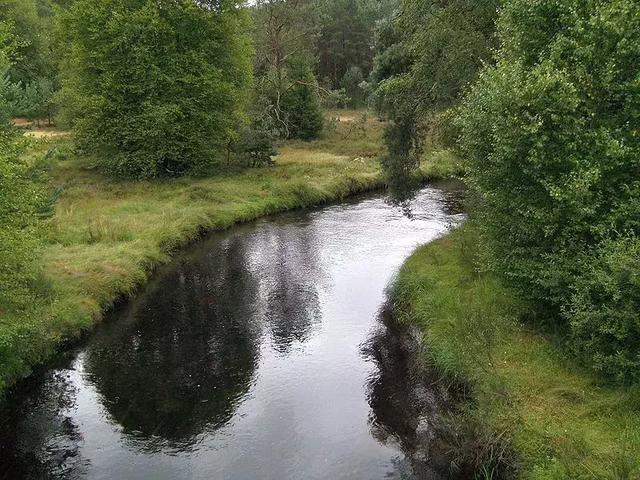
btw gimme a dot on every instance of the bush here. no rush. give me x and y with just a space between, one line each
255 146
156 87
33 100
552 151
19 200
605 310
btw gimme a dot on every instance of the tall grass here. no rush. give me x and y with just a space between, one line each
533 413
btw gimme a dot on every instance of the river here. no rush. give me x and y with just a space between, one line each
261 352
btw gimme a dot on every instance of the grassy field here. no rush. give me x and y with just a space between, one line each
530 404
105 237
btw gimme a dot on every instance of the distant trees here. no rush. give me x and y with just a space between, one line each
313 51
551 136
155 88
31 80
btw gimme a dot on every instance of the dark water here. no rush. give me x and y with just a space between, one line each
261 353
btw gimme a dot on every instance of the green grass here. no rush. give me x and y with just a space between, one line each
441 163
559 421
106 237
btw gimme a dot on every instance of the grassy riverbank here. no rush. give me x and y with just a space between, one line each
105 237
556 421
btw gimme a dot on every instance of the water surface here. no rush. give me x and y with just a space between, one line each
255 355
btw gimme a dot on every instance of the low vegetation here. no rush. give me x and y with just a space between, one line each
532 413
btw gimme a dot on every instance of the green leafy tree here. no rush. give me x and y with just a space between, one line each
31 39
32 77
155 88
301 104
431 51
555 156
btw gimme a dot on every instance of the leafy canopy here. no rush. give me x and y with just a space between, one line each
554 151
154 87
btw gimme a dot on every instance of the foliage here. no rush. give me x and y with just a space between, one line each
301 105
19 200
354 86
548 135
31 29
431 51
33 101
255 146
157 87
287 89
603 310
31 80
346 36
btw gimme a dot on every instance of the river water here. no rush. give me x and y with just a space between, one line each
259 353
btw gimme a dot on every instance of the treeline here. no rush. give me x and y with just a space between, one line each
540 98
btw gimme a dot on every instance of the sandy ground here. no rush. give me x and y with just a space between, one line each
43 131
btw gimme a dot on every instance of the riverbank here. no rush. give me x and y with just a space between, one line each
106 237
532 413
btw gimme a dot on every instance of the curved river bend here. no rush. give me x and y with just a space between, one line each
257 354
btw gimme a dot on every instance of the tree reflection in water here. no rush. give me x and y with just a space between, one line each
406 397
45 442
181 358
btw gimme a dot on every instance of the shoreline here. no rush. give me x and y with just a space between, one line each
90 314
106 238
530 411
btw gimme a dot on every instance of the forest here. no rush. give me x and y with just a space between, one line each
164 119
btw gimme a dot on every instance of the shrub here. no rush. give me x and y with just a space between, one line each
156 87
553 154
255 146
19 200
604 310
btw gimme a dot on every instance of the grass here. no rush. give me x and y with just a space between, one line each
105 237
556 420
441 163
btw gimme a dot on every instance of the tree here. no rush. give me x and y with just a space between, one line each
353 84
300 102
155 87
286 87
431 51
549 133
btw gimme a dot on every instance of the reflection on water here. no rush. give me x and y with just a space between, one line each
166 370
406 397
244 359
